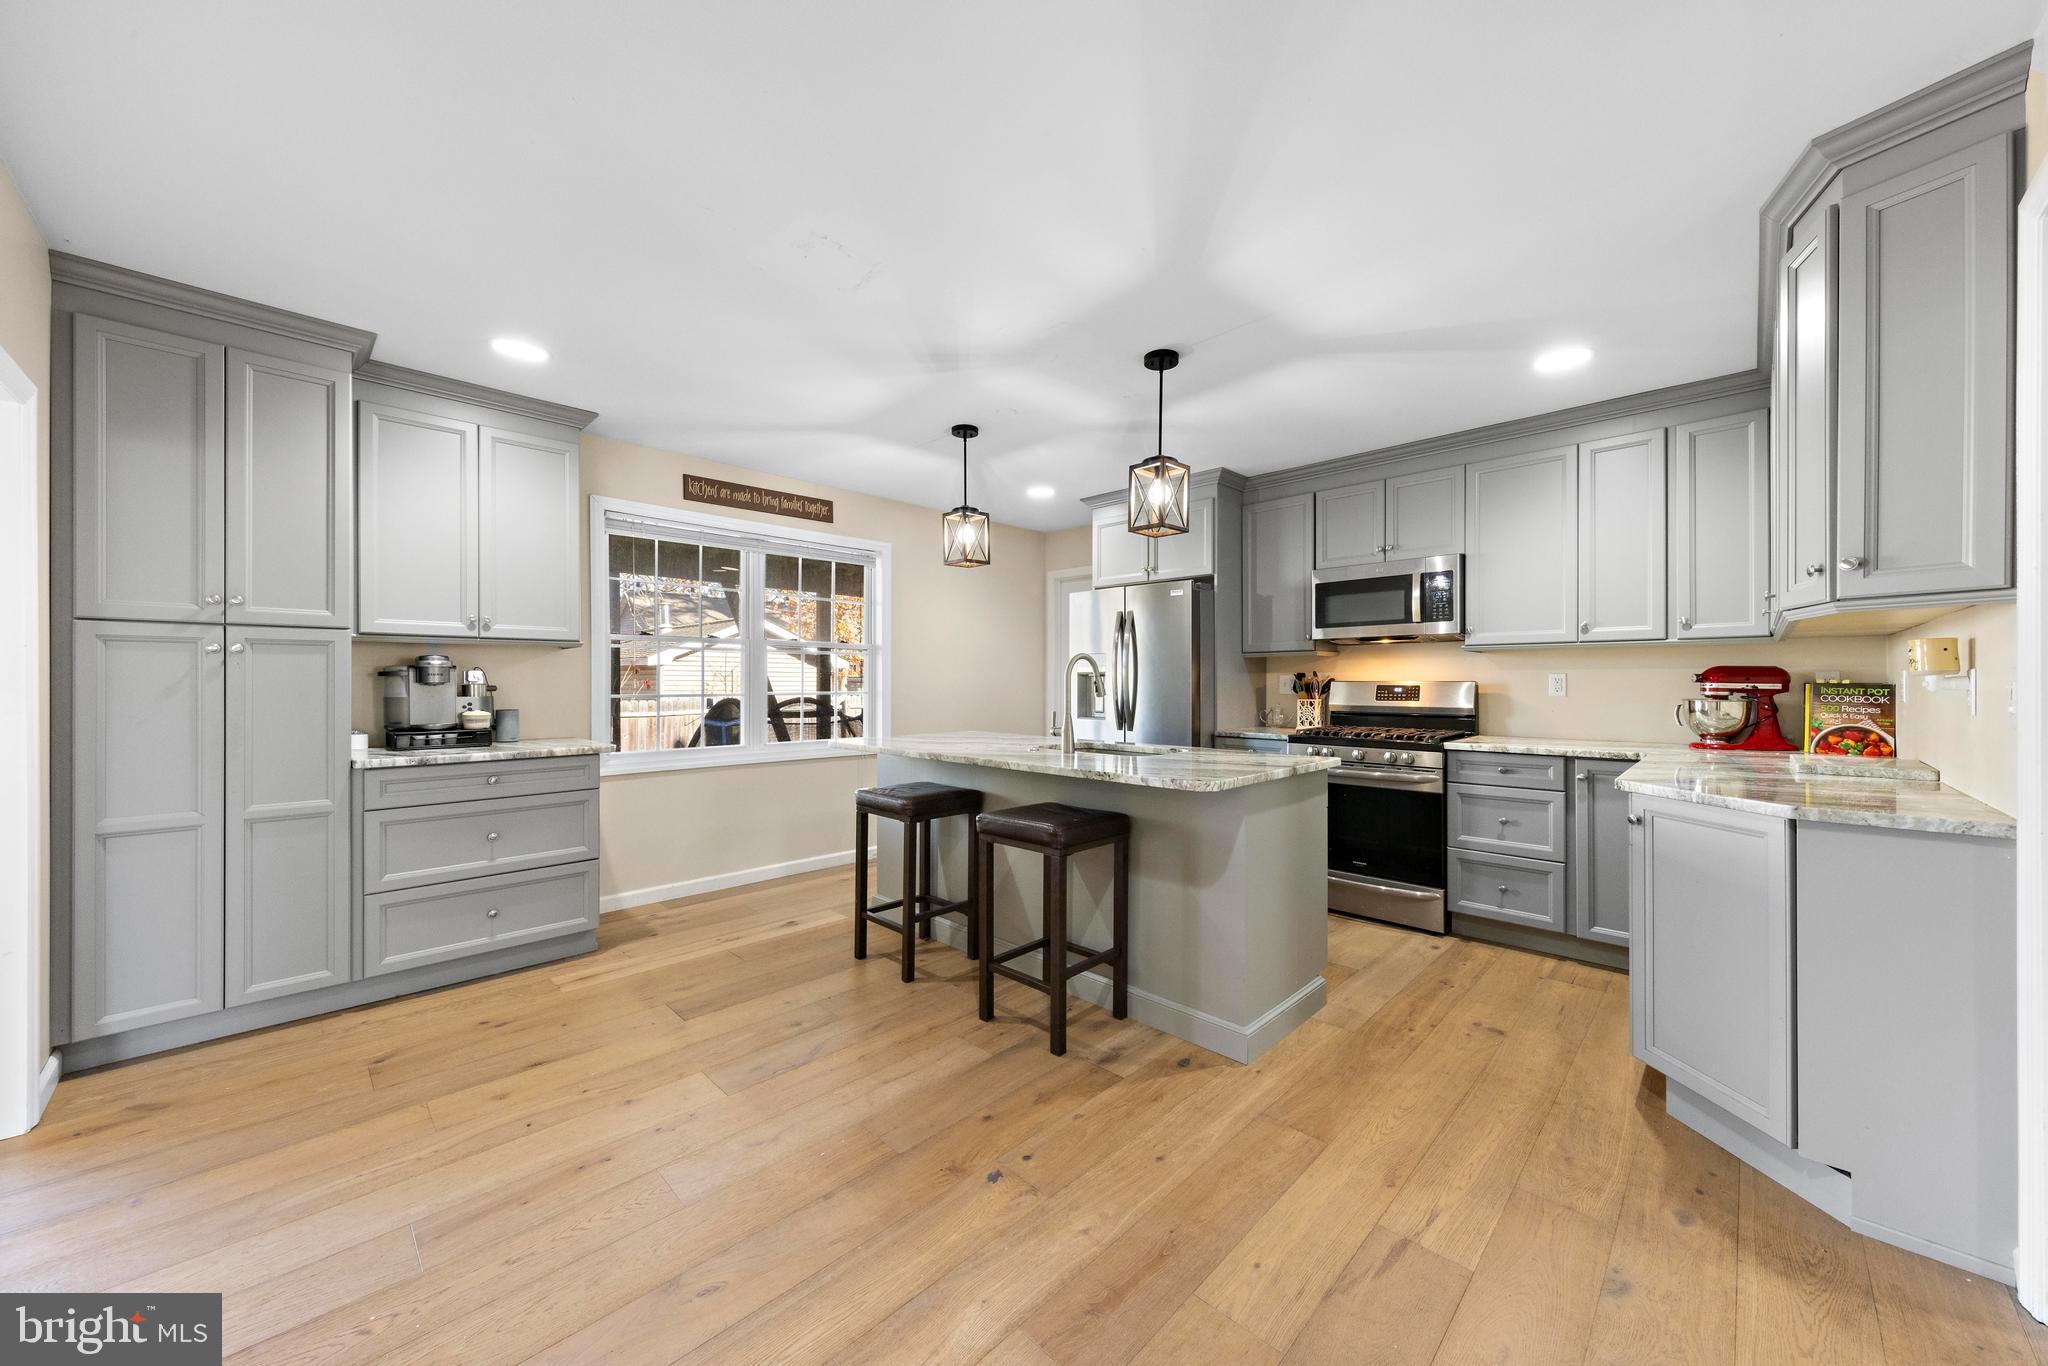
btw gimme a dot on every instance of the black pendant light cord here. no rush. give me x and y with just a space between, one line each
1160 430
963 471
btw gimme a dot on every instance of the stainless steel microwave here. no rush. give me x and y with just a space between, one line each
1399 600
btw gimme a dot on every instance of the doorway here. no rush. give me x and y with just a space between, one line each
27 1073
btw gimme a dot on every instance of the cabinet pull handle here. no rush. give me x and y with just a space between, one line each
472 623
213 647
1503 822
492 781
235 601
487 623
1579 777
213 599
491 914
1585 628
1635 820
1506 768
1851 562
1814 571
237 648
1685 623
1503 889
492 836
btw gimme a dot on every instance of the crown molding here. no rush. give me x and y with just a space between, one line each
1303 478
1975 88
154 289
462 391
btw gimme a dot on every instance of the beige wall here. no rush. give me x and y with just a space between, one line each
1065 549
1974 753
966 652
1617 692
25 337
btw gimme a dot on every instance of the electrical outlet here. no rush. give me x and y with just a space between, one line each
1557 685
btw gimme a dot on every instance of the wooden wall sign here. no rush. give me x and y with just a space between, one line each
753 498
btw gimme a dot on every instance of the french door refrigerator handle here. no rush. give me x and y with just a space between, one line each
1131 671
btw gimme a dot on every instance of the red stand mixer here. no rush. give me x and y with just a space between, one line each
1739 710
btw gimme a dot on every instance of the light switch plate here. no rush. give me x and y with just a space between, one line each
1557 685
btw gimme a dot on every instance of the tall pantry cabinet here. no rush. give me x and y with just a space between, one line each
203 515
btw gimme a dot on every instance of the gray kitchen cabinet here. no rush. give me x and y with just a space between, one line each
1123 558
1506 820
1278 537
1505 887
416 495
290 547
1710 965
411 846
1507 770
148 470
1803 400
1521 552
287 887
428 784
1720 528
1119 557
1599 851
1924 452
1192 554
1426 514
147 838
1621 545
529 547
1351 525
434 924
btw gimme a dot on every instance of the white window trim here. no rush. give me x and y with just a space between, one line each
787 540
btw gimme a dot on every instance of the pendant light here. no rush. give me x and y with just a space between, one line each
1159 486
966 527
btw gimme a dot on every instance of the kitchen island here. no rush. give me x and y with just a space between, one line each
1228 926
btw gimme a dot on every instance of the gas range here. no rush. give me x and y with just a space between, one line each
1386 825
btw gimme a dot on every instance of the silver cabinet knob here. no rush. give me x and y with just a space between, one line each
1503 889
487 623
1635 820
1685 623
213 599
1580 776
235 601
1585 627
1506 769
472 623
237 648
1814 571
213 647
492 780
1503 822
1850 562
492 836
491 914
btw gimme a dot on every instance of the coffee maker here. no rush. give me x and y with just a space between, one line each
422 709
1739 709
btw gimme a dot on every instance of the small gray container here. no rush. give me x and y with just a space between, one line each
505 725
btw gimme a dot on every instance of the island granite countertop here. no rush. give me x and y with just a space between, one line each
482 754
1801 787
1174 769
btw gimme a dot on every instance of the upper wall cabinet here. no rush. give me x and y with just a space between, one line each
1277 537
1521 549
1123 558
1407 517
1720 528
469 517
210 482
1924 455
1803 395
1621 538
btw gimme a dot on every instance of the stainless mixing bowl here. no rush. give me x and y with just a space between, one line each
1712 718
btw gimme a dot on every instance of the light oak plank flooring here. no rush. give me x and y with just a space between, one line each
719 1139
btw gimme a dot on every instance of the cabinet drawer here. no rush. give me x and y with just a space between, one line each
1501 887
411 846
411 929
1506 820
427 784
1507 770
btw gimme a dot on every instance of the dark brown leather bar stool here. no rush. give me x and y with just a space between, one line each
916 805
1057 832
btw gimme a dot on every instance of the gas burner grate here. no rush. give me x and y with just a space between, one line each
1383 735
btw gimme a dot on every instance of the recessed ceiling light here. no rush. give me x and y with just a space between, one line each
1560 359
1040 491
512 348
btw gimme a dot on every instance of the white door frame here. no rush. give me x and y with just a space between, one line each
27 1076
2030 1258
1058 584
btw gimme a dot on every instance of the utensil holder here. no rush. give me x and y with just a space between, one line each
1310 711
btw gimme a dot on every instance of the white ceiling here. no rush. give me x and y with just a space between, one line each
809 237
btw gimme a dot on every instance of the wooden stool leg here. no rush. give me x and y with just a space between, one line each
984 914
973 892
860 884
909 912
1120 924
1056 947
924 877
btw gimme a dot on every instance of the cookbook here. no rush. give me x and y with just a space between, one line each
1858 720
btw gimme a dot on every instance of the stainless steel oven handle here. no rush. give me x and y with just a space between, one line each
1389 888
1406 779
1415 599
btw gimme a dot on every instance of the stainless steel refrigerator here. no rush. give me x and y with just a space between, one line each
1157 645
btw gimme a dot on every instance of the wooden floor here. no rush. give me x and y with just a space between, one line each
720 1139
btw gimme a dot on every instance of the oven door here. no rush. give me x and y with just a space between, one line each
1387 845
1401 599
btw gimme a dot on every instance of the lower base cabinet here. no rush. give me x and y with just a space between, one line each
1540 841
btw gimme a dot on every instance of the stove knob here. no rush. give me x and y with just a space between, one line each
1357 755
1387 756
1408 759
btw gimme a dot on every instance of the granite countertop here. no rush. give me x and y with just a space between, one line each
483 754
1566 749
1257 732
1799 787
1805 765
1178 770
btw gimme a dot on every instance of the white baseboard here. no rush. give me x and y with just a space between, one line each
46 1085
718 882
